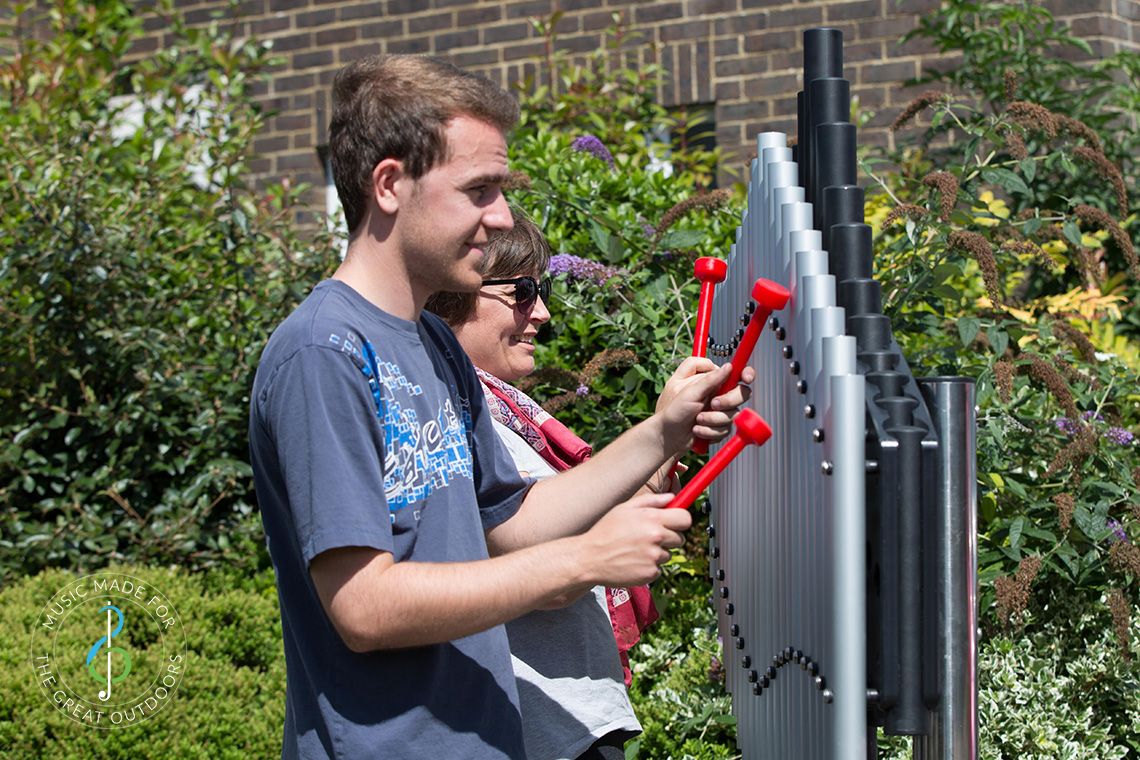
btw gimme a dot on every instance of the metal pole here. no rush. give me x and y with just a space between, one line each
953 728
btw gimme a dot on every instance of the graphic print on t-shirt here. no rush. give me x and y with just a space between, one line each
419 456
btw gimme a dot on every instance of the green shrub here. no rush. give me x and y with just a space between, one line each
141 276
229 704
1007 253
1061 691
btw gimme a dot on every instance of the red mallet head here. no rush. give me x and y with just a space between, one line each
750 428
769 296
709 271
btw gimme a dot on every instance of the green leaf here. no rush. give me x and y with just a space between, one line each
609 245
1092 525
968 329
1072 233
999 340
1006 179
682 239
1029 168
1015 529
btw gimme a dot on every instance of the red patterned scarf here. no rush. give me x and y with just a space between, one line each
631 610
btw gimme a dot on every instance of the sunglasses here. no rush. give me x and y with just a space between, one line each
527 290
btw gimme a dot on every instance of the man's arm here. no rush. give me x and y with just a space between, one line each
572 501
376 603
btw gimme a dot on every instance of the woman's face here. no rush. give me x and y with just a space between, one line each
499 338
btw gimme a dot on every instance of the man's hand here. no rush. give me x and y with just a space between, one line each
687 408
628 545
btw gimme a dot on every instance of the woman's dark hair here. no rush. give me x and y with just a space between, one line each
522 250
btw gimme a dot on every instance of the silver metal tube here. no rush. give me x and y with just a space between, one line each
953 729
845 427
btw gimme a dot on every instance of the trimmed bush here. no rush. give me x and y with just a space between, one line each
230 702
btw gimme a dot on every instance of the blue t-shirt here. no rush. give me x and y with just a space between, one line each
369 430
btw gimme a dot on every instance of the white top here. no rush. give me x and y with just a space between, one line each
570 681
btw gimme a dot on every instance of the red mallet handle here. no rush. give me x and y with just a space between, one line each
769 297
750 428
709 271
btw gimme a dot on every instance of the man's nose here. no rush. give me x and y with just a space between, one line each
498 215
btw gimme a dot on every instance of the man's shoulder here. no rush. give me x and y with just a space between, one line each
332 317
326 320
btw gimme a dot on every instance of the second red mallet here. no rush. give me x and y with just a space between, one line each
769 297
709 271
750 428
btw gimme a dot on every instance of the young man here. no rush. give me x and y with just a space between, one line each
400 531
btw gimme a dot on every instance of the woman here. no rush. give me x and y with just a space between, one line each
567 665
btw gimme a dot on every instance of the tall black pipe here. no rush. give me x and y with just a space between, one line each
823 57
835 161
909 715
850 255
843 204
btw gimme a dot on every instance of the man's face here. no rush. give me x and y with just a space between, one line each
447 214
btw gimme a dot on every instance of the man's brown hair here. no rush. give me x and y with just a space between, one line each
398 106
522 250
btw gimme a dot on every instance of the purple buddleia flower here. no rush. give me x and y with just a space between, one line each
1091 414
716 670
1066 425
589 144
1118 530
581 270
1119 436
583 390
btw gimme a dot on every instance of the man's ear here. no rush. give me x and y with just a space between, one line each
385 176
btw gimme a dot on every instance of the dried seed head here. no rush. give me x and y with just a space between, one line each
1032 116
517 180
1125 557
1065 505
1047 375
947 186
1095 217
908 210
1077 128
552 375
708 201
1085 349
1072 375
1013 593
914 107
1121 620
1109 169
1075 453
1003 379
976 245
1009 79
610 357
1030 248
1014 142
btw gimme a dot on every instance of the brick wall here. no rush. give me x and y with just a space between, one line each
741 56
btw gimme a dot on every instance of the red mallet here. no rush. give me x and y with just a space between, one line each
750 428
769 297
709 271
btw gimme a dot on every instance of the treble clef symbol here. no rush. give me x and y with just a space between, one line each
105 694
